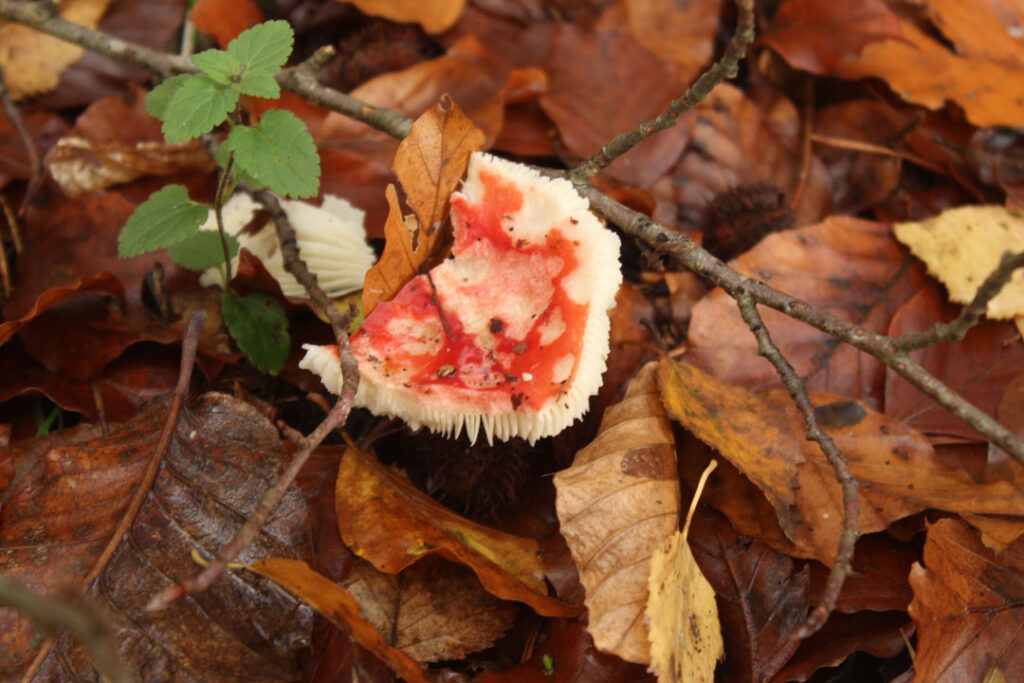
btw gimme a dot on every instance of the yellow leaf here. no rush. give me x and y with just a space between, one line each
963 246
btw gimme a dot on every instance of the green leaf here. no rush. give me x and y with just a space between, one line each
259 326
199 105
264 48
278 152
166 218
219 66
202 250
258 85
158 98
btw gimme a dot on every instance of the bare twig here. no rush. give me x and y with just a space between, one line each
970 315
35 167
218 213
335 418
52 615
851 508
685 253
723 69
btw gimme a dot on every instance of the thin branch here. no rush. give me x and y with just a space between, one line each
35 167
970 315
723 69
83 621
685 253
335 418
851 507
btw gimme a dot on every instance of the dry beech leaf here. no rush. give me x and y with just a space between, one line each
102 282
682 616
338 605
816 35
33 62
433 610
962 246
762 435
434 16
430 163
923 70
616 504
388 522
968 607
840 264
222 456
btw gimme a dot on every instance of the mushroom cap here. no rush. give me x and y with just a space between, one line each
331 240
524 297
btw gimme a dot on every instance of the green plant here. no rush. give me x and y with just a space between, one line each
277 154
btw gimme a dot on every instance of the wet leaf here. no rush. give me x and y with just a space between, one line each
616 505
967 607
221 457
386 521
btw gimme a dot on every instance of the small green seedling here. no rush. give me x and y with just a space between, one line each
548 664
278 154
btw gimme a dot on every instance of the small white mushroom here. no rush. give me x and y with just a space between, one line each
331 240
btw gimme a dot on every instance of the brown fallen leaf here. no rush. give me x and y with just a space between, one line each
816 35
682 617
430 163
967 607
222 455
433 610
225 19
33 62
44 127
762 435
434 16
841 264
385 520
616 504
101 282
762 597
603 83
338 605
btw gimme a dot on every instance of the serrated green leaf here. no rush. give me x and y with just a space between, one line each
258 85
264 48
197 107
166 218
202 250
278 152
220 66
259 326
158 98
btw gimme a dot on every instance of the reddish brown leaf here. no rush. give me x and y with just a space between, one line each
433 15
816 35
57 522
842 264
388 522
430 163
979 366
602 84
101 282
616 504
338 605
967 607
762 597
225 19
44 128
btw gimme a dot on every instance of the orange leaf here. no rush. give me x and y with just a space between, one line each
762 436
338 605
429 163
225 19
385 520
433 15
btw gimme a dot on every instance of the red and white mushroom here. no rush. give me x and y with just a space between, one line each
510 333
